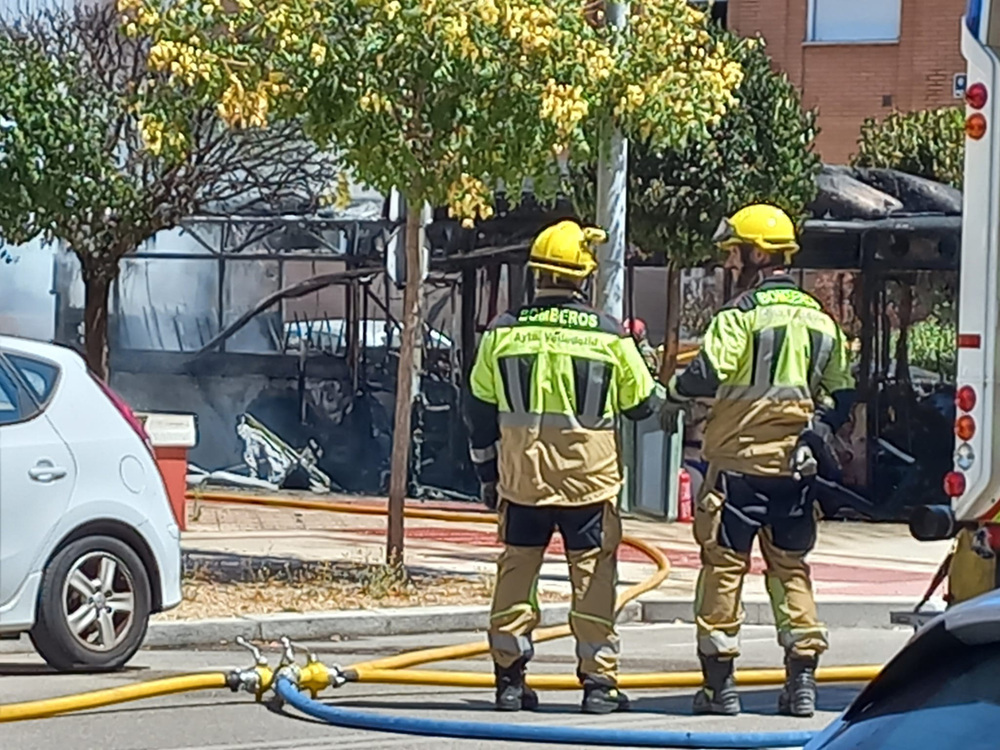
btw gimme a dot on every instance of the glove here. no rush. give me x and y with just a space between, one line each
668 414
671 407
814 453
488 494
803 463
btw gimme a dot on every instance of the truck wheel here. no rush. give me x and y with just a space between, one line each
93 606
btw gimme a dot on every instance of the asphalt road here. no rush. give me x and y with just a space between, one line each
224 721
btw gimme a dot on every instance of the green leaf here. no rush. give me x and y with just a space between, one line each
927 143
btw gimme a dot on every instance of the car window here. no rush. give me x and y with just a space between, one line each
40 376
9 410
956 701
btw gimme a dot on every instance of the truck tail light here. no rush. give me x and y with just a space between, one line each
965 457
969 341
976 96
965 427
965 398
954 484
975 126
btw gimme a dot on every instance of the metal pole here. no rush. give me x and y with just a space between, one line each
612 200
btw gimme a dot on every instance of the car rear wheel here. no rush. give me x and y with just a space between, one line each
93 606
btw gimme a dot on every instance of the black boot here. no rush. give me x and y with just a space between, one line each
718 695
799 696
512 693
599 698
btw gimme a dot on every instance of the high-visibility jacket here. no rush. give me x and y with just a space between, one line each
764 359
546 390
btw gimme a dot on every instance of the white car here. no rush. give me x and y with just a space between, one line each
89 547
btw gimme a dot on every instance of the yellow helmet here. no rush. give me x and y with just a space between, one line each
763 226
566 249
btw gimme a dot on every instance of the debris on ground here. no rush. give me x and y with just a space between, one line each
272 459
199 477
271 463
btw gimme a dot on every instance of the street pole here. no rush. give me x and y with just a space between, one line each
612 200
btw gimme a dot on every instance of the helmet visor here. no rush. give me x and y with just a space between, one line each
725 234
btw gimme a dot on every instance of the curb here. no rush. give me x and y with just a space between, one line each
319 626
872 612
835 613
352 624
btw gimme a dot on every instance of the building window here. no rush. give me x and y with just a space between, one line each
853 20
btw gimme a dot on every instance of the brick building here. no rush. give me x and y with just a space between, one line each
859 58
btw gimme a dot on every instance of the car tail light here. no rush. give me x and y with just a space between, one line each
965 427
954 484
965 399
977 96
975 126
126 412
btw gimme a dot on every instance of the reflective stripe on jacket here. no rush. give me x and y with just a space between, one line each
546 389
764 359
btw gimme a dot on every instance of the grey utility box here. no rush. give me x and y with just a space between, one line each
653 459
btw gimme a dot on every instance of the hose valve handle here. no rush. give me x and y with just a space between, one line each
310 654
287 652
259 659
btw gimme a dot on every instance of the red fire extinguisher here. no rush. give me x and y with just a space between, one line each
685 509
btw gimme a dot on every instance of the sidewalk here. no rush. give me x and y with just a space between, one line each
851 561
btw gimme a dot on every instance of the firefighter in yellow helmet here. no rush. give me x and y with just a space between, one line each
548 385
765 359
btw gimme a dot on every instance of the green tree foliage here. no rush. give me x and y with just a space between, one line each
761 151
931 345
929 143
52 154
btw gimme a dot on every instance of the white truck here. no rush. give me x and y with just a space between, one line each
973 517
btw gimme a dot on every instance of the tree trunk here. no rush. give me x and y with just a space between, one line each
97 286
671 336
398 480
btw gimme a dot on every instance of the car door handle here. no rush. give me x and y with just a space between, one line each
46 473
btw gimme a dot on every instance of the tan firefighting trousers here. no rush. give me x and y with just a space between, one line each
731 511
591 535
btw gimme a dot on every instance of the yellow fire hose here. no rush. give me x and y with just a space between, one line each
635 681
397 669
47 707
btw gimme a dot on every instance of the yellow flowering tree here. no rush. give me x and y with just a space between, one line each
80 166
440 99
761 151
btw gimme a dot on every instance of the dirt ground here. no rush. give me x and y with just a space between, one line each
257 587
